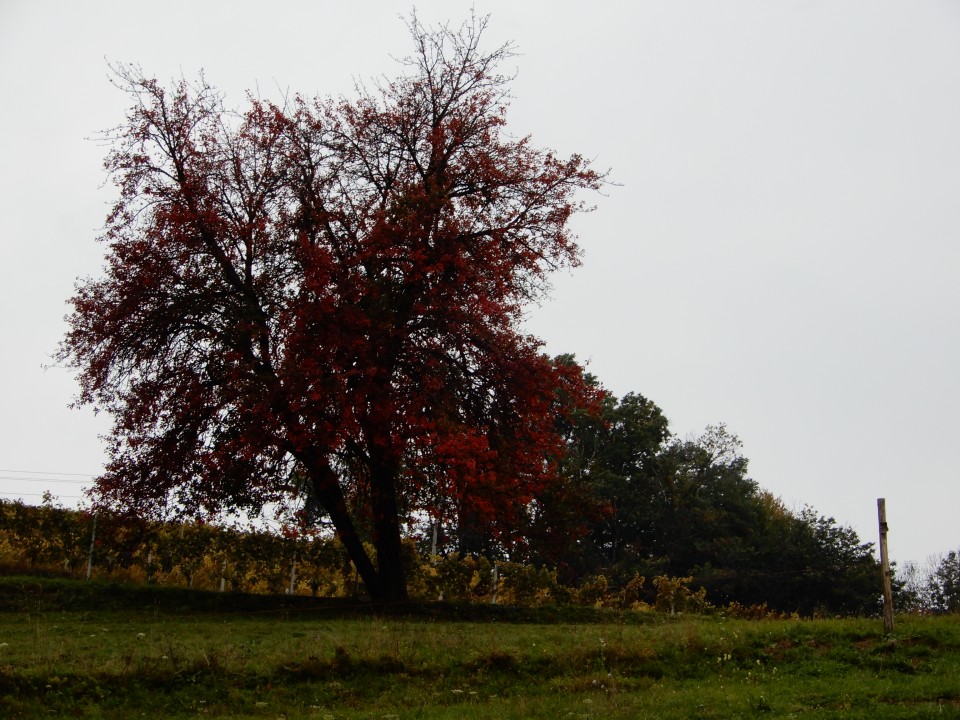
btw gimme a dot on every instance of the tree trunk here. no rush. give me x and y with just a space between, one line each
386 583
386 534
326 488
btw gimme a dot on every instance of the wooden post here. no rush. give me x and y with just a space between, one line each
885 567
93 539
293 574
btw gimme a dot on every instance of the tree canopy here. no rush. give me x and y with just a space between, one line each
320 299
638 501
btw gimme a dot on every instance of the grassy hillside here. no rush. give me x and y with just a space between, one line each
75 649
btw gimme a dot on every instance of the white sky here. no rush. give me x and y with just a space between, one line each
781 254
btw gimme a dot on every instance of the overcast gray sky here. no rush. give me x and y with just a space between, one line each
781 253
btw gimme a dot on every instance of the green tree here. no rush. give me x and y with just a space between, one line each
944 584
704 506
807 563
588 521
657 505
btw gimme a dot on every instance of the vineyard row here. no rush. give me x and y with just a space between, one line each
49 539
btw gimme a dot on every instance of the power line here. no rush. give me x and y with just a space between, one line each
56 497
41 479
44 476
43 472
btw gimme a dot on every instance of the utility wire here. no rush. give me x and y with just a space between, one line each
56 497
42 479
42 472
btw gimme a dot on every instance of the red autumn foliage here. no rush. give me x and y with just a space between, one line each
323 299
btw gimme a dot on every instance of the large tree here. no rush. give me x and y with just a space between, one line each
321 299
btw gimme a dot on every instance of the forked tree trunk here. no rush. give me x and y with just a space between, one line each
386 584
327 491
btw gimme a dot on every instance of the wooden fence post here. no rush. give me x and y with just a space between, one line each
93 539
885 567
293 574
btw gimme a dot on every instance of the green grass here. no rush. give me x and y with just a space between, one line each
73 649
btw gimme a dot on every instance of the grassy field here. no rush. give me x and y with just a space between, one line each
73 649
